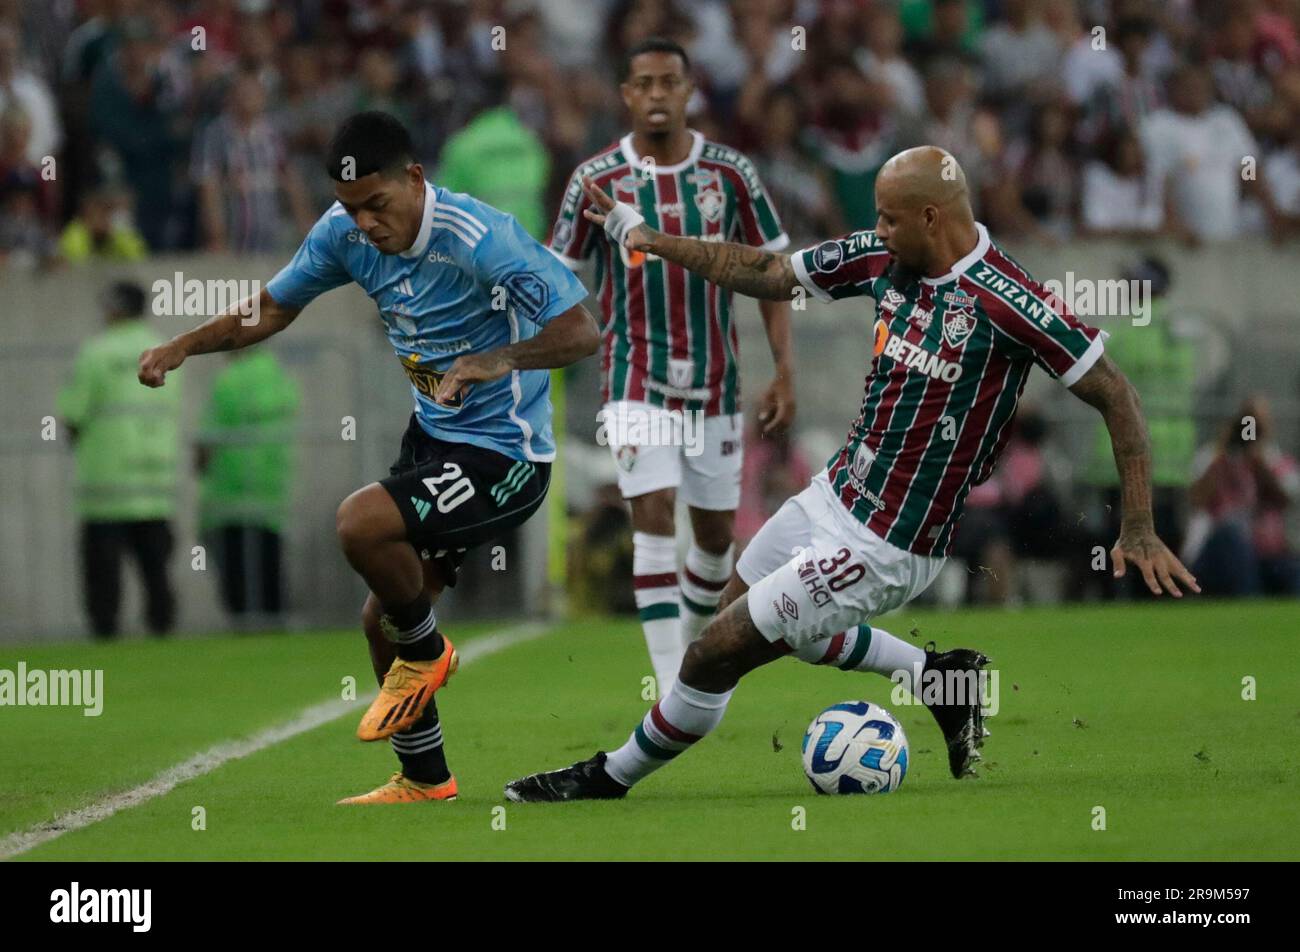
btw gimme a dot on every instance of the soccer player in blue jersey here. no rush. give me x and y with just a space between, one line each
476 312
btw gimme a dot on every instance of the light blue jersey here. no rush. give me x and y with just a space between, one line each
473 281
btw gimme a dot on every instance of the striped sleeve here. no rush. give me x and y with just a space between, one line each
841 267
1037 324
757 222
573 238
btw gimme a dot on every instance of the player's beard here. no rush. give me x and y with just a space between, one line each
901 276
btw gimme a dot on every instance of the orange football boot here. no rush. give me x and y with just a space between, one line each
405 694
402 789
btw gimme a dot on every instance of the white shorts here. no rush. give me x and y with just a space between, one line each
658 449
813 570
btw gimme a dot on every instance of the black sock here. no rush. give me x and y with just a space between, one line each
418 638
419 748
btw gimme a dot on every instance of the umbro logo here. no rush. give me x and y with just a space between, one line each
422 507
790 607
892 300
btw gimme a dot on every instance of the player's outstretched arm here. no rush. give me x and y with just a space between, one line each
1105 387
566 339
752 271
246 323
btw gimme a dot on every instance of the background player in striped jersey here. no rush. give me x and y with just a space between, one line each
476 456
959 327
670 344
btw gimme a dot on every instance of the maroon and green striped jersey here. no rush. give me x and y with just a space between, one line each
669 335
951 355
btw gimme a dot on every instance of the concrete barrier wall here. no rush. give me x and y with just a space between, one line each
1241 298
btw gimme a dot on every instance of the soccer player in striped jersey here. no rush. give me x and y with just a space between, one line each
959 327
670 378
476 312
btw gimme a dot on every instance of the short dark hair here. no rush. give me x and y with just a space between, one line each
654 44
124 297
374 142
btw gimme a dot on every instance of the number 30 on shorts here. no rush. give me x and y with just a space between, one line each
447 498
847 576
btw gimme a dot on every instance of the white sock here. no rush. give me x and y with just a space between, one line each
682 717
702 583
864 648
654 578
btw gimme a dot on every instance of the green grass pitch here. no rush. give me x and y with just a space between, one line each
1137 709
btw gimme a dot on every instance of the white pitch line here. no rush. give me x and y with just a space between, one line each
209 760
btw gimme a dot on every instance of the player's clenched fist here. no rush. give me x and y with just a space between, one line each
157 361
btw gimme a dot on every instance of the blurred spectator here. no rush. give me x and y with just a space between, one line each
751 52
127 447
245 457
1090 63
259 49
982 543
882 61
305 114
1196 149
498 160
1119 198
1282 178
941 29
1277 43
600 556
27 203
797 184
102 231
25 91
853 135
1237 542
1044 170
1041 538
974 135
241 169
1021 58
1124 101
135 114
90 43
1238 79
1159 358
1013 536
1026 93
378 79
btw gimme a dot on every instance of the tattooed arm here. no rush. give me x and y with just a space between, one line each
767 275
1105 387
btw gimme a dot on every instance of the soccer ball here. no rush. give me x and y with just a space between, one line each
855 747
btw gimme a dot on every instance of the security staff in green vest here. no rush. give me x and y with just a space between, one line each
246 458
126 441
499 160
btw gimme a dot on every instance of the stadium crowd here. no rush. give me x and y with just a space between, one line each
135 125
129 127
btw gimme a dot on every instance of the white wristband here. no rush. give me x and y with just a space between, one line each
620 220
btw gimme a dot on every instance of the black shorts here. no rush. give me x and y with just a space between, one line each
455 496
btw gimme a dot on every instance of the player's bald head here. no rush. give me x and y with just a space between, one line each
925 175
923 207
